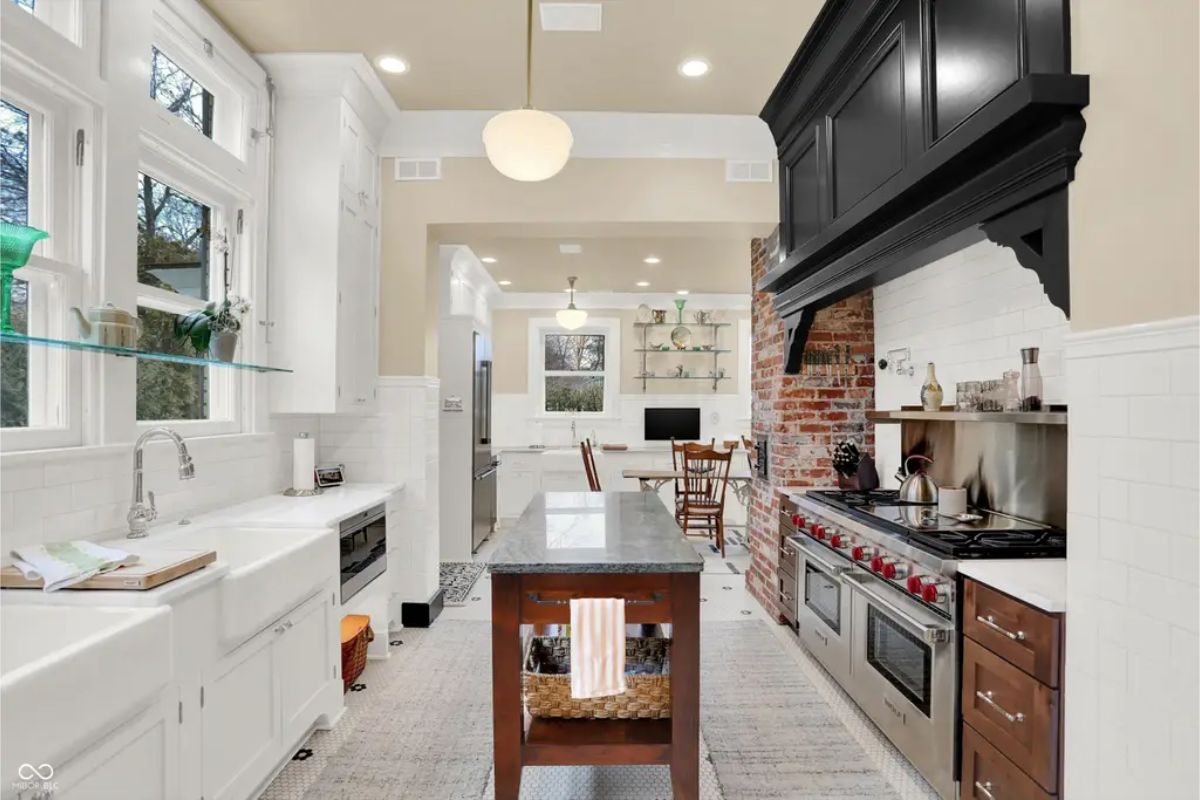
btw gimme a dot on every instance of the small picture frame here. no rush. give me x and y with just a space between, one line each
333 475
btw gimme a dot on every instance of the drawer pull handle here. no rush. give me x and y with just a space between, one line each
990 621
985 789
987 698
787 597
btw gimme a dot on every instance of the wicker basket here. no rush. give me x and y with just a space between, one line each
546 680
356 635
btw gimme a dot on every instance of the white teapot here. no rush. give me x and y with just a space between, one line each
108 325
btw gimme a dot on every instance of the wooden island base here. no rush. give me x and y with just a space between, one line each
539 599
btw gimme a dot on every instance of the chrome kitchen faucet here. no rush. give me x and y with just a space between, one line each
140 514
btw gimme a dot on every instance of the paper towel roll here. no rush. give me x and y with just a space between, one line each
952 500
304 462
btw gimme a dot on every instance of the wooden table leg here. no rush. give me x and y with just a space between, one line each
685 686
506 684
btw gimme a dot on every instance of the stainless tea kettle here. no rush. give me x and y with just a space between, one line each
916 487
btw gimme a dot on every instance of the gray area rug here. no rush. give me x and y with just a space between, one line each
421 730
457 578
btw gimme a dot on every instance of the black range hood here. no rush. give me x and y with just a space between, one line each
908 129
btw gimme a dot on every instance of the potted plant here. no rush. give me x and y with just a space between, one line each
214 329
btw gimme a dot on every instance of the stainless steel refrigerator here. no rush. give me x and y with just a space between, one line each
484 464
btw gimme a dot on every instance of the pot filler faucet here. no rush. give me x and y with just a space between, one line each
140 514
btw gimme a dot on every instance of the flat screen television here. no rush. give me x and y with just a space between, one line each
672 423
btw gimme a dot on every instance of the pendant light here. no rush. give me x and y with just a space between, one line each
571 317
526 144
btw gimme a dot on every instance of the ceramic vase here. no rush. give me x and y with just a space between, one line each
223 345
931 391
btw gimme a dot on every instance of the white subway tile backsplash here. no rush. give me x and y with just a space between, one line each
1132 689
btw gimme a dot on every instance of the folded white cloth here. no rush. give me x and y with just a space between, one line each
62 564
597 647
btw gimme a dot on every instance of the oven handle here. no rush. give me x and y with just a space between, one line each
811 552
930 633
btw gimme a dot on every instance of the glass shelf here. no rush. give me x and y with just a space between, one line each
132 352
673 378
684 324
673 351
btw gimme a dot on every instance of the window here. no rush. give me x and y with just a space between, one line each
573 368
180 93
14 208
27 5
175 247
573 373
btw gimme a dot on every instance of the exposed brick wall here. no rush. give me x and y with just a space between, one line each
803 417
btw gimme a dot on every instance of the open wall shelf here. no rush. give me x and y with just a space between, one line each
131 352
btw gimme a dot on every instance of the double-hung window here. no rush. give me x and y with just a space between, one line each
575 371
40 183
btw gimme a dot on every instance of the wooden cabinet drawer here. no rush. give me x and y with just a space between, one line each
1023 635
988 775
1017 714
788 559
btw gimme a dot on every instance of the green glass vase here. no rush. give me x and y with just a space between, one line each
16 244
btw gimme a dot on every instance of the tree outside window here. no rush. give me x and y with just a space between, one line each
180 93
14 208
573 366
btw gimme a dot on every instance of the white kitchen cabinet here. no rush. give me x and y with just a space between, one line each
261 699
324 257
137 761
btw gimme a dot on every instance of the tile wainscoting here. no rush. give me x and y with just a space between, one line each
1133 597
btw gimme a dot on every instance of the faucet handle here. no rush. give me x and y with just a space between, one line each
153 508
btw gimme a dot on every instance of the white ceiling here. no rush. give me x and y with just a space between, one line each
701 258
470 54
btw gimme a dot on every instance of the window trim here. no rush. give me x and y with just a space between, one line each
610 329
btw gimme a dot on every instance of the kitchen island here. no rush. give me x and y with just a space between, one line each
595 544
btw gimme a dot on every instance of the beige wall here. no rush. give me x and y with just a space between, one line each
1134 207
510 353
587 190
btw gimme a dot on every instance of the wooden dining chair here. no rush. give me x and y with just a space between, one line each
706 477
589 465
677 449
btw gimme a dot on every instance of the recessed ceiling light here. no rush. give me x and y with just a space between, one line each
570 249
643 283
694 68
652 260
393 64
505 283
681 291
488 259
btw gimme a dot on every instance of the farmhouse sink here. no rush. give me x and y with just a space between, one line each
69 673
271 570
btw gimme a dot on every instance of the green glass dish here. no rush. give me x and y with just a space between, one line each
16 245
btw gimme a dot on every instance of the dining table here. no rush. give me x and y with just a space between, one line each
651 480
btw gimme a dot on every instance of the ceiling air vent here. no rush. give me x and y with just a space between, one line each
748 171
575 17
418 169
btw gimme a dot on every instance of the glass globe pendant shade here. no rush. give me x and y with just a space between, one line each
527 145
571 317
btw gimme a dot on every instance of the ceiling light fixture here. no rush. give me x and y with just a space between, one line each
652 260
571 317
681 291
488 259
643 283
505 283
694 68
393 64
526 144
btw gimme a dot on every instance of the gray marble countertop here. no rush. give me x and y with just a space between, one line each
595 532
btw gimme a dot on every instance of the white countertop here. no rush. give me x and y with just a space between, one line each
325 510
1040 582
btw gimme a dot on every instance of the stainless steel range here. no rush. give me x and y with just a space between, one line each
876 604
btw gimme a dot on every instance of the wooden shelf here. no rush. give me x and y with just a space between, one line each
558 742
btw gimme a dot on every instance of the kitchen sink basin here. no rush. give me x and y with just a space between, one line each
69 673
271 570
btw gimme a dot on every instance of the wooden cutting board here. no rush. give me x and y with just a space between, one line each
154 568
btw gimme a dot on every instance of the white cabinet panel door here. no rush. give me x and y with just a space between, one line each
138 761
305 654
241 720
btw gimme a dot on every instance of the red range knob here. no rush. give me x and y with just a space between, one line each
837 540
889 570
932 593
861 552
877 564
819 532
797 520
914 584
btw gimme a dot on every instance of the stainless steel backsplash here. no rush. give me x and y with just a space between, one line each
1018 469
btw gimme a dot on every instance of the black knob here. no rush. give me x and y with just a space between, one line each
883 363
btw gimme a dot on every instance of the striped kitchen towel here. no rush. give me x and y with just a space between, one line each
63 564
597 647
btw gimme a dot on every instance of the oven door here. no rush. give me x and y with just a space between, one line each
363 552
903 662
823 608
